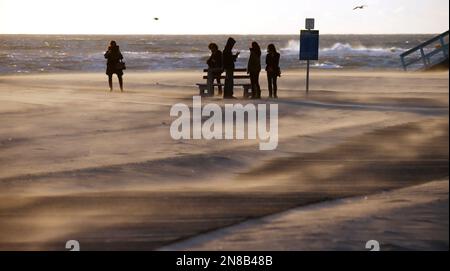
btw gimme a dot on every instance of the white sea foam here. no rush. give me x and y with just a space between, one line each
294 45
327 65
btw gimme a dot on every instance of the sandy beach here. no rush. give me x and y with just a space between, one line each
412 218
80 163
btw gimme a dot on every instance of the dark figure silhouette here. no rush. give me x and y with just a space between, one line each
215 68
273 70
228 66
254 69
114 64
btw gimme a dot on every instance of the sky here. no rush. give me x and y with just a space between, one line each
221 17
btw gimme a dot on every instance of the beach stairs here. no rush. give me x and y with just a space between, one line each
430 55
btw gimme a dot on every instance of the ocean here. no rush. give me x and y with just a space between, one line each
84 53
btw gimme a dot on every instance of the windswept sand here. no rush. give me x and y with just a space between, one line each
78 162
412 218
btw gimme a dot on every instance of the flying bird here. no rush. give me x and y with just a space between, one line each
156 19
360 7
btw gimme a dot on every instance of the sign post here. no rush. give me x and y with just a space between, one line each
309 46
307 76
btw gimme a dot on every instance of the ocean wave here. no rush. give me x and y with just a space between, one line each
338 47
23 54
327 65
160 55
346 47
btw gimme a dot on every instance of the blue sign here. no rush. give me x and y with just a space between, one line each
309 45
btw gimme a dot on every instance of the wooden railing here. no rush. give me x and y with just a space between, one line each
427 60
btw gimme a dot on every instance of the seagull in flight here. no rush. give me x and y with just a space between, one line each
360 7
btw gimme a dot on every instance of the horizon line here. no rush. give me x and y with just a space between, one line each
224 34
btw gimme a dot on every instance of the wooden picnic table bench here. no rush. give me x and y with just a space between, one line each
239 74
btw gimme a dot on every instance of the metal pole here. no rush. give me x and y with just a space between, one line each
307 76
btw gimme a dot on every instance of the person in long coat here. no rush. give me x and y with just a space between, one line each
114 64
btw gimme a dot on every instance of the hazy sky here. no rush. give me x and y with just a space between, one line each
221 17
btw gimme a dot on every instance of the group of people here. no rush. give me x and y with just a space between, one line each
220 62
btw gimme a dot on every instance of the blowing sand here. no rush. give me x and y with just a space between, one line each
78 162
412 218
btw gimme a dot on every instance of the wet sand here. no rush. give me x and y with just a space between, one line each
78 162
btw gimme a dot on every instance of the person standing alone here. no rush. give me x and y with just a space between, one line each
114 64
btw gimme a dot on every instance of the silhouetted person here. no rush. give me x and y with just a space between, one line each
273 70
215 68
228 65
114 64
254 69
